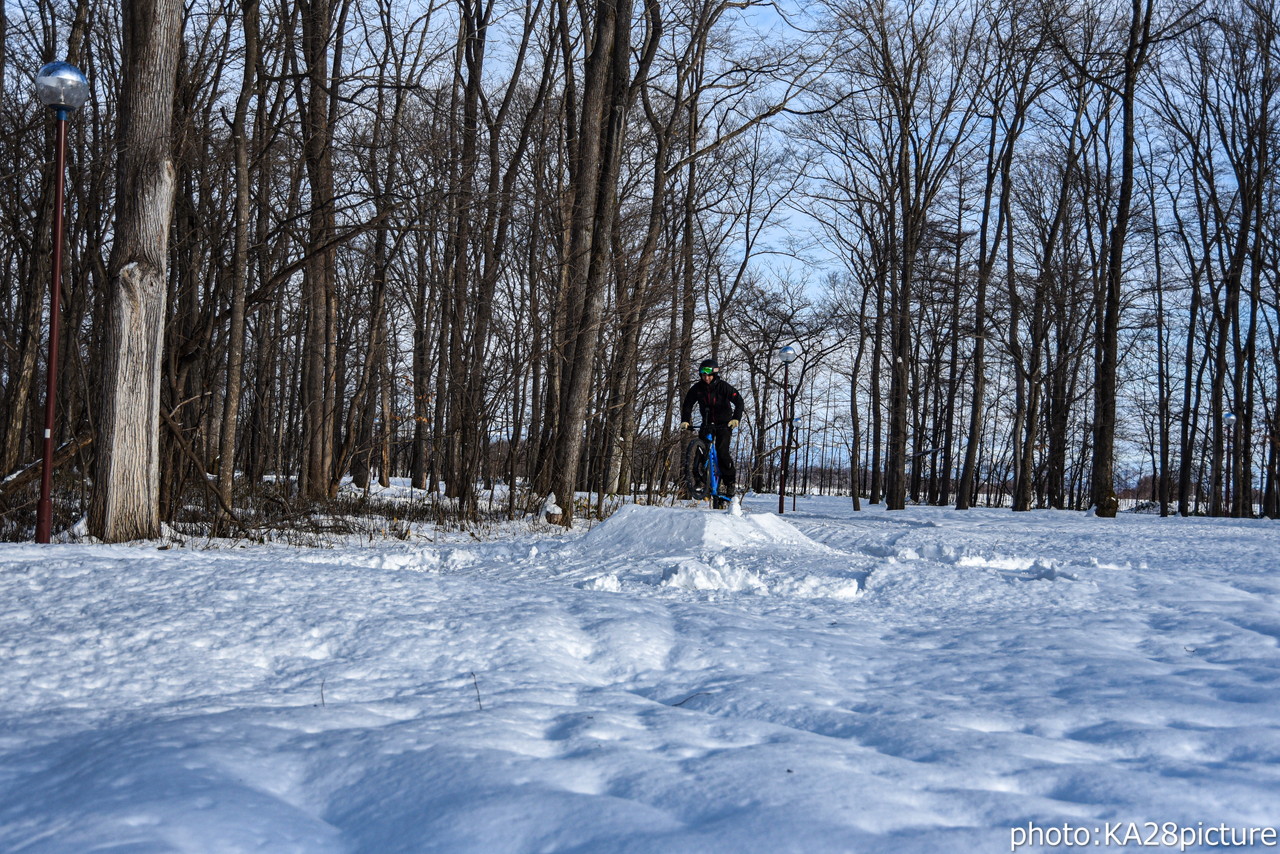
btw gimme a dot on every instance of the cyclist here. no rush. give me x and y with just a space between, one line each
721 408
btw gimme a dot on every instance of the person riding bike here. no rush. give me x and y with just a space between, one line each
721 409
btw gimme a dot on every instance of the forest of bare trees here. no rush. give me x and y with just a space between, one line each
1027 250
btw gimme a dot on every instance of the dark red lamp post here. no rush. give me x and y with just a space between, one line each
62 88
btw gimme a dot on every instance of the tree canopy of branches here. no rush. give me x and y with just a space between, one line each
1028 251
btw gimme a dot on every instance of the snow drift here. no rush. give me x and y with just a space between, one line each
677 681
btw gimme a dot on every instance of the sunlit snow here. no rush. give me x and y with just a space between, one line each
673 680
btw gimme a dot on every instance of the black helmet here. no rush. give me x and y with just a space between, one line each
708 366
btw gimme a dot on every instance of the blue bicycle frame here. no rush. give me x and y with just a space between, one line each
713 466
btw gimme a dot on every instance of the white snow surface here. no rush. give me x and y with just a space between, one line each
674 680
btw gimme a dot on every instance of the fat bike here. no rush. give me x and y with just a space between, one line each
702 476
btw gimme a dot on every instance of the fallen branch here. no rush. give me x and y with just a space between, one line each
31 473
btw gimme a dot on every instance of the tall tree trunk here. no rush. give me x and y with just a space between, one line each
1187 424
319 294
877 408
902 273
597 160
125 501
1103 495
1162 475
21 381
240 259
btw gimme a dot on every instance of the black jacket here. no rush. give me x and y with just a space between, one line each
718 402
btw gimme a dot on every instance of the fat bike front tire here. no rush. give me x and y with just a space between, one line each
696 480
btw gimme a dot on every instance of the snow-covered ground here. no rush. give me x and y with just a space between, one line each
674 680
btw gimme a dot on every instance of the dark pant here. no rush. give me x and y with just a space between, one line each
728 473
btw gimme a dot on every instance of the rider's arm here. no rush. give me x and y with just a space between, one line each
686 409
737 405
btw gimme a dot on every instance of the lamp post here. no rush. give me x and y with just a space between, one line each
62 88
794 444
1230 421
787 355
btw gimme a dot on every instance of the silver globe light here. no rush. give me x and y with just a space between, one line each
787 354
62 86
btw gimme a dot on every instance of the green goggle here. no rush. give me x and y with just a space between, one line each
708 371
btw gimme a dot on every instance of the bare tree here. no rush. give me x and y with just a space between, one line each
596 151
1016 80
240 252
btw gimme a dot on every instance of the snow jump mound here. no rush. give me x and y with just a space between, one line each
699 550
642 529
